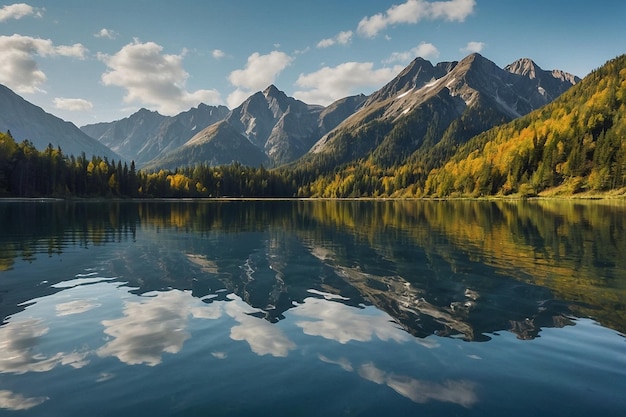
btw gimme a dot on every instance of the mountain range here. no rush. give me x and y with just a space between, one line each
426 110
432 109
146 135
269 128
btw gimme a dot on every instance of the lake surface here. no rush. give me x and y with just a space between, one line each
309 308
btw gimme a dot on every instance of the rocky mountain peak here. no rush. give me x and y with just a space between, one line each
272 91
565 76
525 67
415 75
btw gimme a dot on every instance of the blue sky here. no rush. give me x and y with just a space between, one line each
92 61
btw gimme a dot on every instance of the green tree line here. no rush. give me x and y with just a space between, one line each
27 172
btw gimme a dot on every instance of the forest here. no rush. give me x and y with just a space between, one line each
27 172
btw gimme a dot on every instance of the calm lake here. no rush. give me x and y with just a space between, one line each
311 308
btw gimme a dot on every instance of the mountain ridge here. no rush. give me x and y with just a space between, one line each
27 121
280 127
426 105
146 134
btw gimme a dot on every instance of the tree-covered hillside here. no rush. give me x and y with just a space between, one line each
576 143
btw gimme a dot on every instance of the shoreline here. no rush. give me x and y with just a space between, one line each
574 197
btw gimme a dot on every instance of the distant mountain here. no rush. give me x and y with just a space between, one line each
431 109
574 144
26 121
281 129
146 135
218 144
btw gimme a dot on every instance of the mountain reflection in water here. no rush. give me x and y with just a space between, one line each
453 268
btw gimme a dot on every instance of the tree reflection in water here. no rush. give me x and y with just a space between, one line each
453 268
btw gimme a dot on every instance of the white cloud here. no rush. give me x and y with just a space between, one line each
18 10
331 83
237 97
75 51
106 33
218 54
18 67
473 47
413 11
424 50
342 38
72 104
153 78
325 43
260 71
302 51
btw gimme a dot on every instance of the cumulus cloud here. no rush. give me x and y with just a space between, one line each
237 97
18 67
106 33
260 71
331 83
153 78
424 50
413 11
218 54
18 10
473 47
342 38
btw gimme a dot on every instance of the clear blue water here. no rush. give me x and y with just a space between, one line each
307 308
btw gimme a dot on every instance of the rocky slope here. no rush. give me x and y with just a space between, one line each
26 121
146 135
443 105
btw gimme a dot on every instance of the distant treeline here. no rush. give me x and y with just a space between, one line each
28 172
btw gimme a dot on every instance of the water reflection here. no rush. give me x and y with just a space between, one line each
341 323
16 402
262 336
457 392
458 268
152 325
19 343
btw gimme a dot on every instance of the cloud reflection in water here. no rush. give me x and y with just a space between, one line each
153 325
16 402
75 307
18 340
339 322
263 337
456 392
